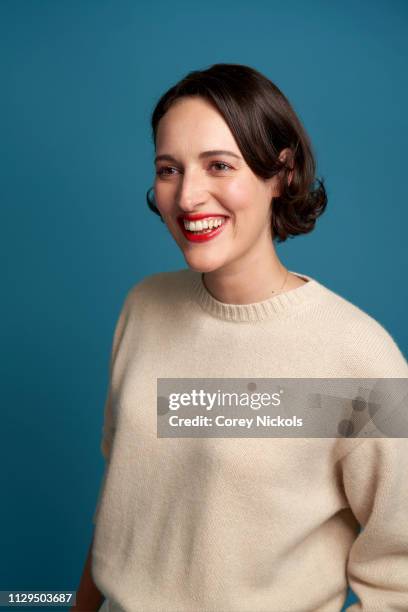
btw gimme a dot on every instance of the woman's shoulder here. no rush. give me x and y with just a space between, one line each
163 282
160 290
372 342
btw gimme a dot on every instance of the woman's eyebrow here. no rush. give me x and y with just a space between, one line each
203 154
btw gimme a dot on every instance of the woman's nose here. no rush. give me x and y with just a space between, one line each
192 192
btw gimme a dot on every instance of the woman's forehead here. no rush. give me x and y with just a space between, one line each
196 128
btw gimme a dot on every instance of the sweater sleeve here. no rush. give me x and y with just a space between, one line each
375 478
108 426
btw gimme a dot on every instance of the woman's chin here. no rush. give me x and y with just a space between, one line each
201 263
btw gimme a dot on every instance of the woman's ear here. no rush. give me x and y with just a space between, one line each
286 155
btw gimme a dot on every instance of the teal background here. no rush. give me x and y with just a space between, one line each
79 81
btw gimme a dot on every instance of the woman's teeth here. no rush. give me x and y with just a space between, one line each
204 226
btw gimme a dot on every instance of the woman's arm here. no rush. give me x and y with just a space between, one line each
375 480
89 598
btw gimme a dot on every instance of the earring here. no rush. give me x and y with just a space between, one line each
152 204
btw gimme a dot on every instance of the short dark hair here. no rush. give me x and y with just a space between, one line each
263 123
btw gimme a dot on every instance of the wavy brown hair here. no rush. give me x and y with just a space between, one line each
263 123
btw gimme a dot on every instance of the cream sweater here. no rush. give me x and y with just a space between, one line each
246 524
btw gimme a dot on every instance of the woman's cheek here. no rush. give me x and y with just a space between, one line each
235 196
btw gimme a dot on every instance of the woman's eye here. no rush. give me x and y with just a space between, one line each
162 171
166 170
221 164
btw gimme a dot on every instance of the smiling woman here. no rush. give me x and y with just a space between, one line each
220 153
259 133
199 524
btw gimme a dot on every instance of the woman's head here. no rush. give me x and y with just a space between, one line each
267 190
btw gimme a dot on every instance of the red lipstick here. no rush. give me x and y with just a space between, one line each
191 237
199 216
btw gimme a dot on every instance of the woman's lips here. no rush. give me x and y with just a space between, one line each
202 237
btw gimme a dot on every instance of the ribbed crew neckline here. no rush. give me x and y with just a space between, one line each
276 305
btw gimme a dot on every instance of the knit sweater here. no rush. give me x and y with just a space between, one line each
246 524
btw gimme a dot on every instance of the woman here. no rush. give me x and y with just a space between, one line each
241 524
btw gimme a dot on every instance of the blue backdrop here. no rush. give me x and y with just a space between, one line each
79 80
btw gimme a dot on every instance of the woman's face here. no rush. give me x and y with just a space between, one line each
191 182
